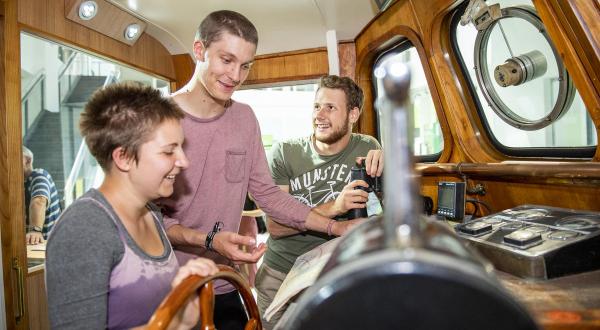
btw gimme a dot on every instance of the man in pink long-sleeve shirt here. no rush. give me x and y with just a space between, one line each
227 160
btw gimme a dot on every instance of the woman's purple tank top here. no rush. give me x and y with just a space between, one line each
139 282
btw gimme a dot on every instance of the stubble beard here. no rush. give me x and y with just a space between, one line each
335 136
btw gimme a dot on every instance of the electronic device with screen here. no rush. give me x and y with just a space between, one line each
451 200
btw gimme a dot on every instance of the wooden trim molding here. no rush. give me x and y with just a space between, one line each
530 169
46 18
347 56
110 20
575 35
380 36
470 142
11 169
581 21
184 70
289 66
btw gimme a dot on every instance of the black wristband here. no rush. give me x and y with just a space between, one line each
211 235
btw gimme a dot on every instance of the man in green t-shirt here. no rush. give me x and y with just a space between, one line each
316 171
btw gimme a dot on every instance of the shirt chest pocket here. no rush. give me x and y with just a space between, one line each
235 165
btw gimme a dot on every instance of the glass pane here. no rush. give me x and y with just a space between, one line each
534 99
428 138
284 112
57 81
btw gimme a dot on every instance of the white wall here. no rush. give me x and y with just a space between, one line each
35 56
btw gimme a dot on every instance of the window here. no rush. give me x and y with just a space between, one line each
284 112
428 139
539 113
56 82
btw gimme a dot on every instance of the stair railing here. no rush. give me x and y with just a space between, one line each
29 109
82 155
65 81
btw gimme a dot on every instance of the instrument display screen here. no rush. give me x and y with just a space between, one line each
446 196
451 200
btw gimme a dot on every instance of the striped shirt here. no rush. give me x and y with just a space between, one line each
40 183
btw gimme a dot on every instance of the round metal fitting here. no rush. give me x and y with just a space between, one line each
518 70
521 69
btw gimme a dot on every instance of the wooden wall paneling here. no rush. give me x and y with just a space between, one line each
572 172
380 33
310 64
37 301
501 195
289 66
110 20
47 18
367 123
561 184
11 169
184 69
471 144
571 38
583 21
266 70
347 56
397 21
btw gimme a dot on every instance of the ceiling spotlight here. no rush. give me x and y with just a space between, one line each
87 10
132 31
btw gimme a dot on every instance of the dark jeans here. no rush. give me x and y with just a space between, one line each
229 312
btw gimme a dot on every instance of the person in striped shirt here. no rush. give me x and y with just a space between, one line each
41 200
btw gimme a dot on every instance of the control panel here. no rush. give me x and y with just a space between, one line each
539 242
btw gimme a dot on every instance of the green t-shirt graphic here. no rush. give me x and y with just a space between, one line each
313 179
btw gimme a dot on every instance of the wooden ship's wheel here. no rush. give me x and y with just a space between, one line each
203 287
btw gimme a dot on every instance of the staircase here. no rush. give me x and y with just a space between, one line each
54 137
44 140
83 88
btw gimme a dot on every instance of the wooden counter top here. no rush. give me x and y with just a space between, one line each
253 213
36 254
569 302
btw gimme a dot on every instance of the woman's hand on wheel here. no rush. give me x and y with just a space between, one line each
190 314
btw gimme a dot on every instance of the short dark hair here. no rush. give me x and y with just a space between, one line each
124 115
233 22
354 94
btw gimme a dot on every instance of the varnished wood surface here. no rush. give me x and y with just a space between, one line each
372 40
567 185
11 170
37 301
586 32
289 66
501 195
253 214
47 18
569 302
399 21
189 287
573 37
347 55
558 170
184 69
110 20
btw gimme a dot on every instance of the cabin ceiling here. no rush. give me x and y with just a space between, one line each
283 25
